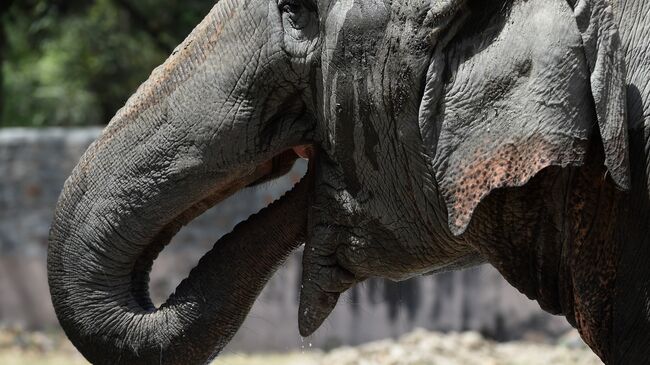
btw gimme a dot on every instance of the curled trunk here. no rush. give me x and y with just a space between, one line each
202 127
111 323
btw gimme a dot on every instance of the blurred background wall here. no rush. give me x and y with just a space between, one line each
73 63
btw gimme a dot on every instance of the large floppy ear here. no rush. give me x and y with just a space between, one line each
602 46
519 89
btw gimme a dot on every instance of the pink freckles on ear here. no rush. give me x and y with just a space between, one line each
511 164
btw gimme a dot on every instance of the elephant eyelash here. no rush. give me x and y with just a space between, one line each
289 6
295 6
297 13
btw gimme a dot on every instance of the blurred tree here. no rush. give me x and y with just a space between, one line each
73 62
4 8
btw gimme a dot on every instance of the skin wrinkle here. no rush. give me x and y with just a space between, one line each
403 147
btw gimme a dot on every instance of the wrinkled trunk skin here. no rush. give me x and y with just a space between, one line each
104 320
631 328
190 136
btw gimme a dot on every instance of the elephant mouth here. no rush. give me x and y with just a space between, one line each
268 170
281 164
277 166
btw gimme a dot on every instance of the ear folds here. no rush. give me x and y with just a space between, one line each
602 47
519 96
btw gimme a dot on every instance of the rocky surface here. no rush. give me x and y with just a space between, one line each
469 348
430 348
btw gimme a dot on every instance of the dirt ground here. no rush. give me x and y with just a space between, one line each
418 348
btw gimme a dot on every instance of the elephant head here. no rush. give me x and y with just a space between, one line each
411 113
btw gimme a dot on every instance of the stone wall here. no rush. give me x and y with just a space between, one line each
35 163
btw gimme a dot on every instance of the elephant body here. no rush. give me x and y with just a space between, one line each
440 133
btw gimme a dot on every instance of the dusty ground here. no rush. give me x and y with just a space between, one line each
418 348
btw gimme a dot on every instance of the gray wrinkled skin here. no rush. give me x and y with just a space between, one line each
442 134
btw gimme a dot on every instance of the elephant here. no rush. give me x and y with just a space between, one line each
440 134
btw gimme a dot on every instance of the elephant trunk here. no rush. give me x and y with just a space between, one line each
202 127
107 321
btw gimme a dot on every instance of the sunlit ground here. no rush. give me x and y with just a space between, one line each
279 359
418 348
16 357
19 347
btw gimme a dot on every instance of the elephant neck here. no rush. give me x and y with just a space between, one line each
553 240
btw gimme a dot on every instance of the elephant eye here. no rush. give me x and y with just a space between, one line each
297 13
290 7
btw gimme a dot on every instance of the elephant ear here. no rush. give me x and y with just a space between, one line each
513 93
602 46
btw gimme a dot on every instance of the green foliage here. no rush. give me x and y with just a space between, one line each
70 62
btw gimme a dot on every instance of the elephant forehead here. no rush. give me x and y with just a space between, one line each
374 43
353 26
357 25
